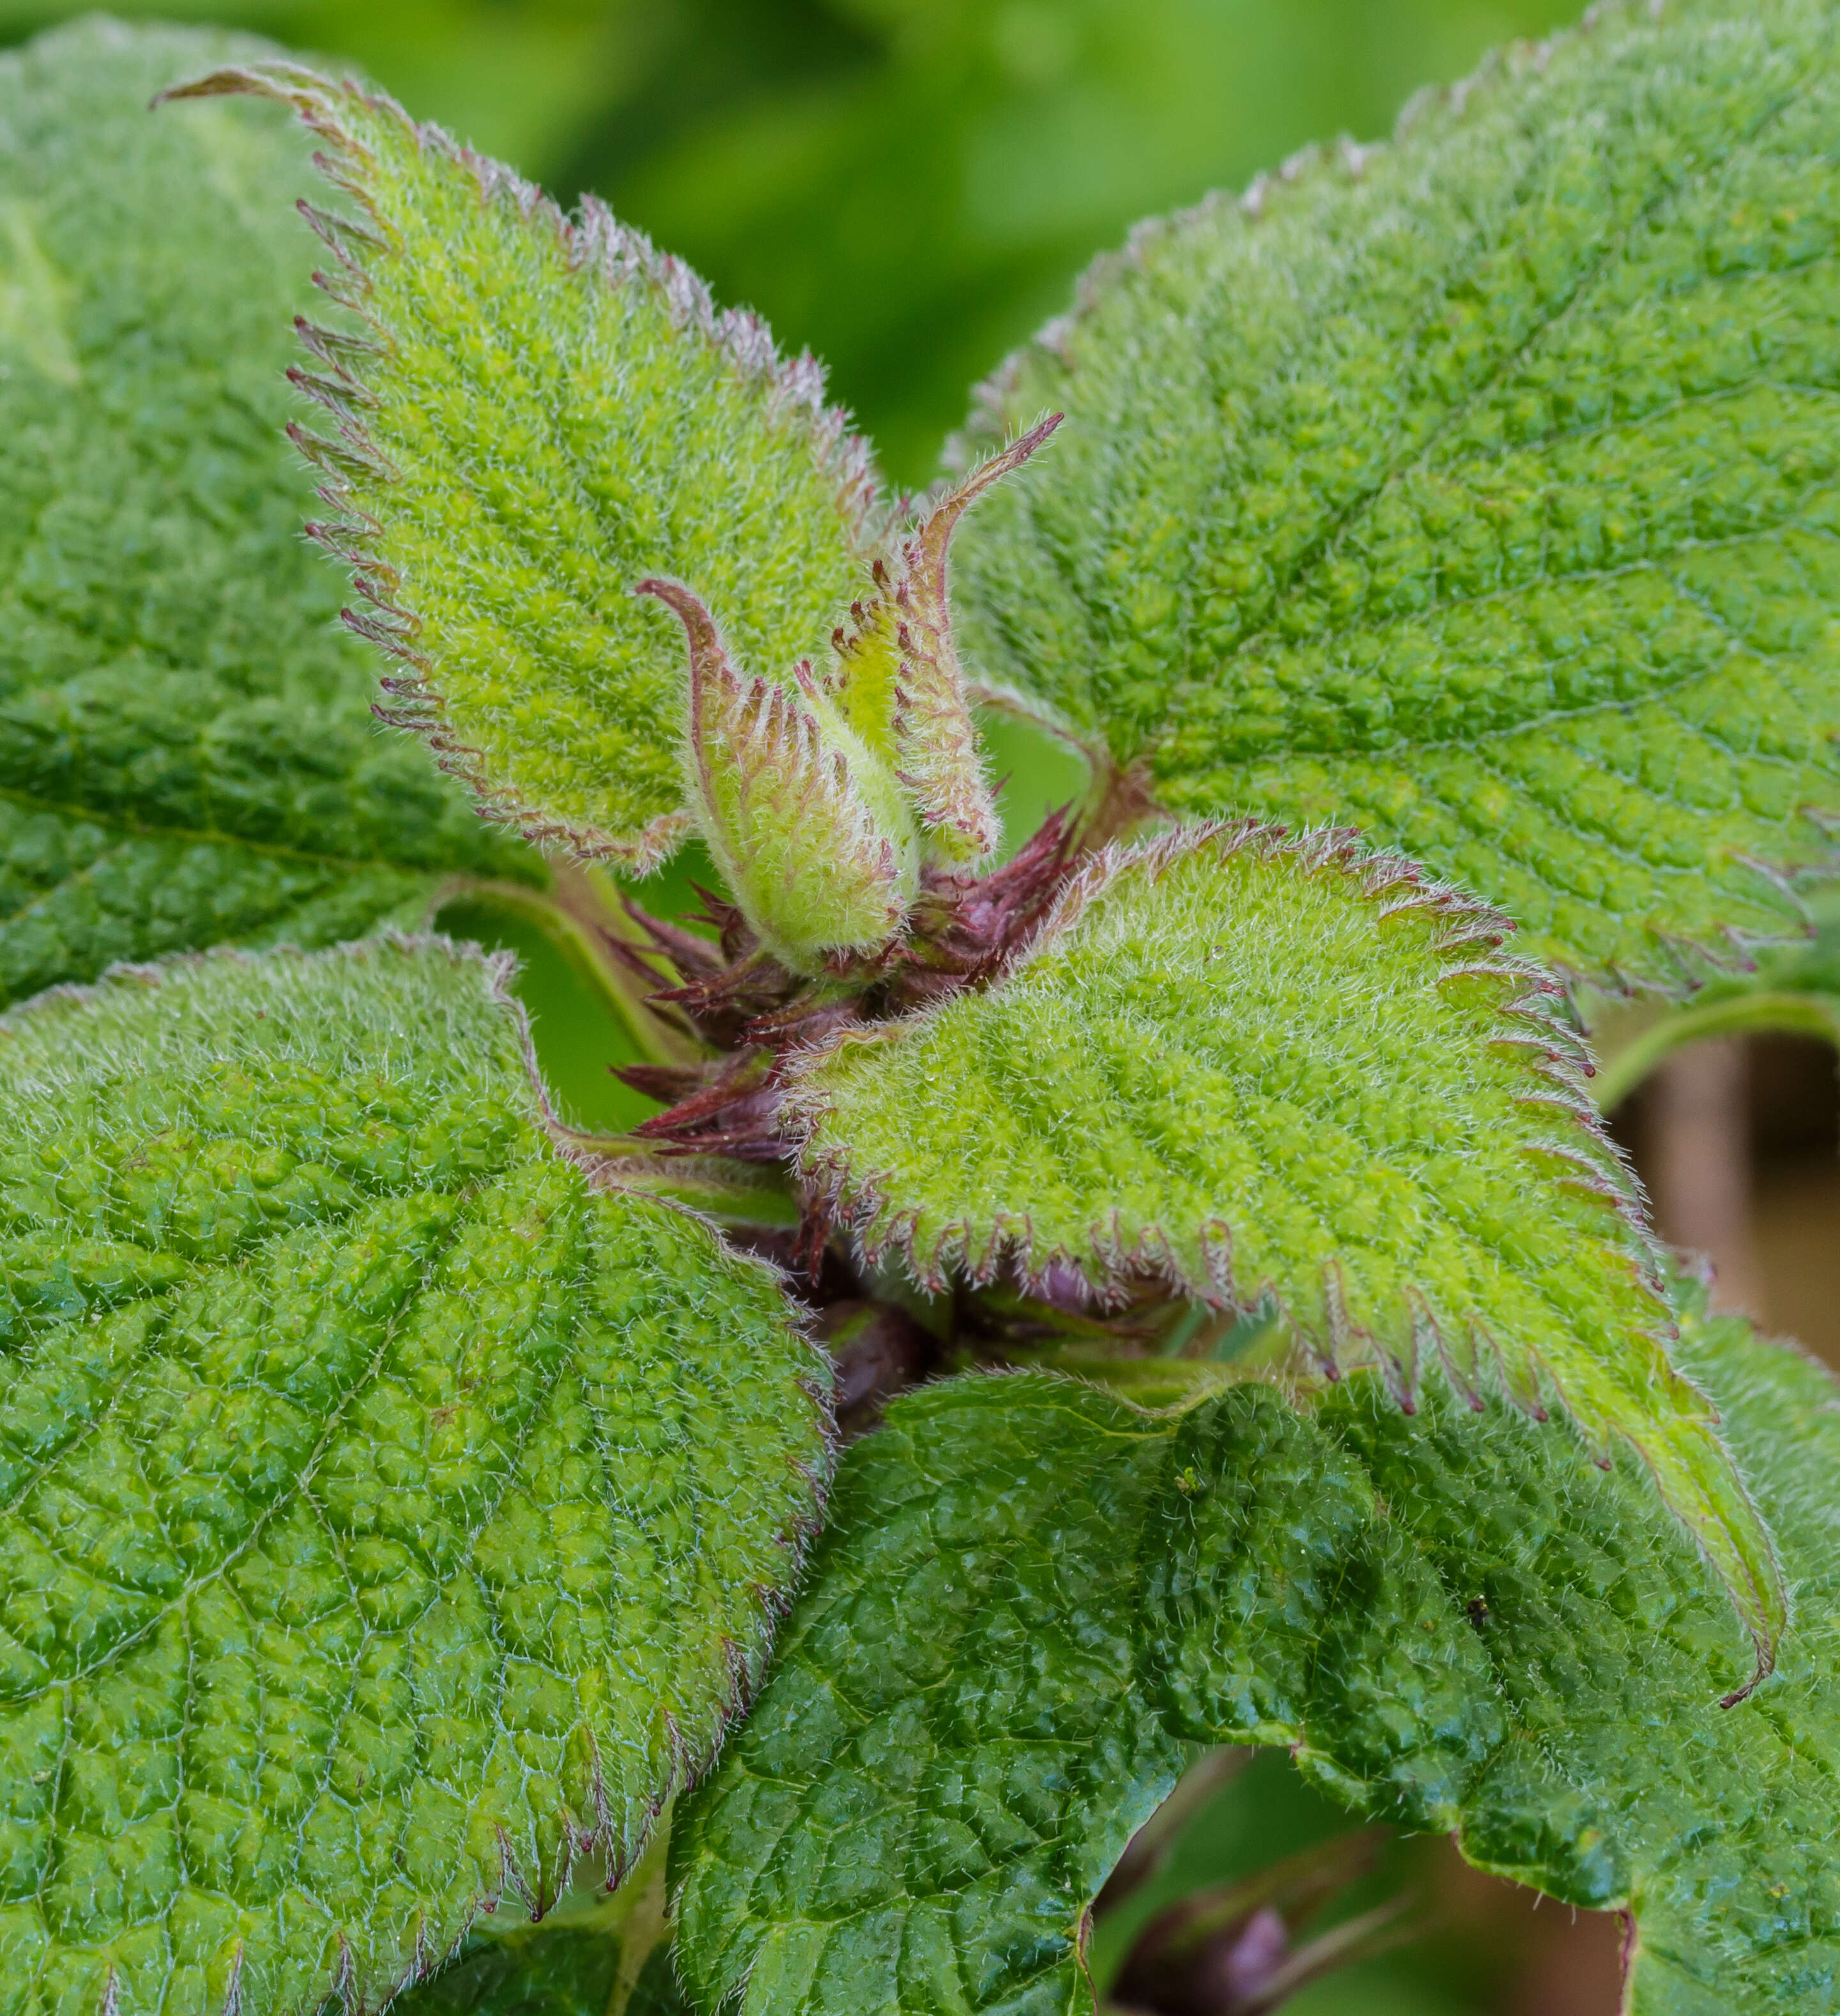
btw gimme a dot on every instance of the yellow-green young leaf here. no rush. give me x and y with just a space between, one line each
804 819
187 756
897 673
387 1516
536 414
1257 1066
1481 491
1031 1596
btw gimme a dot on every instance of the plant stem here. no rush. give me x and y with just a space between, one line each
1791 1014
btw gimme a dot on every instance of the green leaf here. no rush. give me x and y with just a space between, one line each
1260 1067
538 414
586 1958
388 1517
806 823
186 753
1457 1625
1479 491
955 1744
658 1992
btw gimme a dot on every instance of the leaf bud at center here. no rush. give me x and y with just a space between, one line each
810 829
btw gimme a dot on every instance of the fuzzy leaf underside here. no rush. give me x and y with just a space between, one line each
1032 1597
541 414
385 1516
1258 1067
1481 491
186 752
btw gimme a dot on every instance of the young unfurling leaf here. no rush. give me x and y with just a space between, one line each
1259 1066
536 415
899 679
806 823
1480 491
388 1517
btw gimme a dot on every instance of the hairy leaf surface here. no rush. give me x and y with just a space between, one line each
1259 1068
1481 491
542 414
186 753
1457 1630
956 1744
385 1517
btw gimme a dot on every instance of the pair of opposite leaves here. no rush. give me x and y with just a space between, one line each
1340 965
1250 1063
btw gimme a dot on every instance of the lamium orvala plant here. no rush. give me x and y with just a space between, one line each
1065 1300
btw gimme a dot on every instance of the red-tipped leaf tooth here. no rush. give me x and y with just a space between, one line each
383 631
1543 1049
1340 1347
337 459
336 348
1217 1248
1463 1364
351 239
1519 1373
343 397
334 111
350 544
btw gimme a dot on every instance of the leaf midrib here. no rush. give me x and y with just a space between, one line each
91 1428
1590 274
133 828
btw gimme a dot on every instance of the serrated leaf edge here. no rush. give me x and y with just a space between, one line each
595 241
1678 963
1473 932
537 1890
1730 1532
1346 159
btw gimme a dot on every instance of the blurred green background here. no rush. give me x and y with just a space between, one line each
907 188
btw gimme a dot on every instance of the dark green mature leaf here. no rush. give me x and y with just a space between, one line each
1457 1626
1481 491
956 1744
186 753
540 414
386 1516
1274 1069
540 1970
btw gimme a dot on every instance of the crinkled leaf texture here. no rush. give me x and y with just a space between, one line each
386 1516
1793 990
186 752
1261 1067
1032 1595
540 414
1481 491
